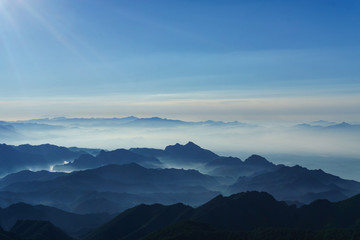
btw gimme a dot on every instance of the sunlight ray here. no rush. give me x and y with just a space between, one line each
59 36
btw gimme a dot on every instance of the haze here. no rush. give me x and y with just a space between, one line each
271 65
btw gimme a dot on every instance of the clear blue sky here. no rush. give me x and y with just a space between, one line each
117 58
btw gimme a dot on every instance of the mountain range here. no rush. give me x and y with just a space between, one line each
247 215
71 223
113 181
155 199
238 214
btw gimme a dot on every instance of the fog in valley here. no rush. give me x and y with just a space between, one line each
330 146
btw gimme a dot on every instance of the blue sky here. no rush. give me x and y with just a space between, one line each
224 60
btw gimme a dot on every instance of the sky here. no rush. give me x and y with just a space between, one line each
253 61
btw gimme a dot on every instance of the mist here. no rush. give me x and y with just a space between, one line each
332 147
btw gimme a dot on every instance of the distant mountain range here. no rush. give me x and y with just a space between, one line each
125 121
58 123
329 126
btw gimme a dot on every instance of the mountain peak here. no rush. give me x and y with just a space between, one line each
190 151
257 160
191 144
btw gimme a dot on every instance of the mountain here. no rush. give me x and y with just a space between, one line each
122 178
191 230
13 160
73 224
189 155
173 155
234 167
122 186
51 153
148 152
7 130
130 121
24 157
189 152
29 176
4 235
245 212
91 151
329 126
119 156
38 230
141 220
298 184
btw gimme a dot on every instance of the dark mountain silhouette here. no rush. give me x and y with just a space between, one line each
298 183
119 156
73 224
4 235
121 185
38 230
243 211
239 212
139 221
191 230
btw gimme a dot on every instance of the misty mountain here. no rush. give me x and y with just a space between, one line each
120 186
189 152
73 224
38 230
24 157
130 121
114 188
29 176
189 155
235 167
239 212
121 178
51 153
178 155
13 160
91 151
329 126
298 184
7 130
119 156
